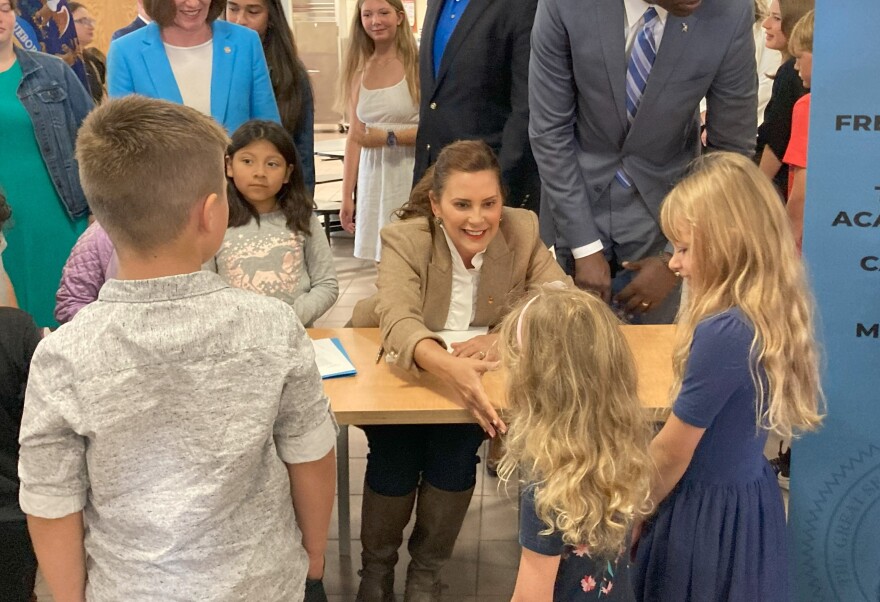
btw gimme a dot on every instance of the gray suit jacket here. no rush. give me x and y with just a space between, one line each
577 103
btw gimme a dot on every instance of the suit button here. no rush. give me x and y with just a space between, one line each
433 105
597 189
428 147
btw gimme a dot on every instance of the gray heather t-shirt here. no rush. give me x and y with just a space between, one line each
269 259
165 409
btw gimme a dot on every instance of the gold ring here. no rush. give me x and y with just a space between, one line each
481 355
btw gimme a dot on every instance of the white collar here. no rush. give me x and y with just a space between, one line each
635 10
456 257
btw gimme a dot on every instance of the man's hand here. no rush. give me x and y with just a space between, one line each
651 285
593 273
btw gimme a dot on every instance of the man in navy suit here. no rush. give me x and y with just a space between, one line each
139 21
606 157
474 72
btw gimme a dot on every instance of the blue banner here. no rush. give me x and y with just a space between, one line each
835 484
47 26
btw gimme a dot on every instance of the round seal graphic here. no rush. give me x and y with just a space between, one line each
848 507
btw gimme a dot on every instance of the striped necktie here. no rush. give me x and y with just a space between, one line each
641 59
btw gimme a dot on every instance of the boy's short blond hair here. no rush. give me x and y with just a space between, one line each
144 163
801 39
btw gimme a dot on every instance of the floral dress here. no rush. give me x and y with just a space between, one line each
580 576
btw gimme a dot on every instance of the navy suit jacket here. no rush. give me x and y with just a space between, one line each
481 90
240 85
577 101
138 23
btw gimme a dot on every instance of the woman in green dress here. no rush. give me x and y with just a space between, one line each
42 104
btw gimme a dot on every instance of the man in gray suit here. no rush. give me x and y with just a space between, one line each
614 94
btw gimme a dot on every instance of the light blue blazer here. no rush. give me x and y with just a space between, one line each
240 85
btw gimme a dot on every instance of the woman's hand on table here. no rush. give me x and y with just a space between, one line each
480 347
464 374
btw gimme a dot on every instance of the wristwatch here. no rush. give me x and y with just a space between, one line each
391 138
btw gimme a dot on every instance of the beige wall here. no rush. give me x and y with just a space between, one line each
109 15
421 7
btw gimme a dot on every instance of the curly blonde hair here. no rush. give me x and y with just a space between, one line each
576 429
744 256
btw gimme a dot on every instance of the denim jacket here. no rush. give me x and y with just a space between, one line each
57 103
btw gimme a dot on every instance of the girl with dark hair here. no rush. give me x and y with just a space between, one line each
290 81
275 245
457 259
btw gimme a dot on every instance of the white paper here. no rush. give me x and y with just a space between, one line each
460 336
330 360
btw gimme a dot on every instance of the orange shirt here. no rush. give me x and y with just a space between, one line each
796 154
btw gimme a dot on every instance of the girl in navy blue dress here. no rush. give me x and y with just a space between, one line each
745 363
578 436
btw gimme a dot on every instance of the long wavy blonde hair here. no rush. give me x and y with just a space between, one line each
744 256
361 48
576 427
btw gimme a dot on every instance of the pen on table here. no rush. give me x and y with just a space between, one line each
380 354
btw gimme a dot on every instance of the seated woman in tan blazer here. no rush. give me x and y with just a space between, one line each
457 259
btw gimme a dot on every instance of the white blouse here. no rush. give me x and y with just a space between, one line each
192 68
465 283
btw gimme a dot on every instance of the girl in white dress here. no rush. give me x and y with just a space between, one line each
379 86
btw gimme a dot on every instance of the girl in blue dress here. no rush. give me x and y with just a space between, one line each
745 364
579 439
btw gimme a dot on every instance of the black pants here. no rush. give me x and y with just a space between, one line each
18 565
445 455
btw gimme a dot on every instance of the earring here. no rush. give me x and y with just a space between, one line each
438 220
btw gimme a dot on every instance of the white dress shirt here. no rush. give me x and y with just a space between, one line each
465 283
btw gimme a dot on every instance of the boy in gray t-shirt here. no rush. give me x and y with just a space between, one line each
181 421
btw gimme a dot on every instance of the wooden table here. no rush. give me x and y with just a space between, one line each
381 393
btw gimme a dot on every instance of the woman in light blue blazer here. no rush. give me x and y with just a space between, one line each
187 56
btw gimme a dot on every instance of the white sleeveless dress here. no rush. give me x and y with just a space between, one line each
385 173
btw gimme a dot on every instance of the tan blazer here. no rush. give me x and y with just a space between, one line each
415 280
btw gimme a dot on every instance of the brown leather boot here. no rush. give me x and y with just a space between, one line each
383 519
439 515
